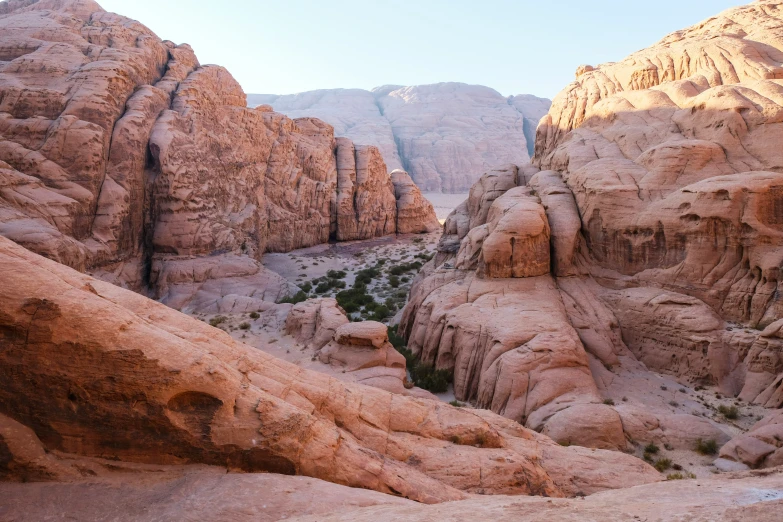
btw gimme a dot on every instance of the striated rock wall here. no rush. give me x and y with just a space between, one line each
655 199
122 156
445 135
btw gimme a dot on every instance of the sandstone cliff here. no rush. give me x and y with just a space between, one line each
445 135
647 234
121 155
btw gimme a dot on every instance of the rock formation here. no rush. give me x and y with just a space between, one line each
94 370
415 215
445 135
122 156
647 234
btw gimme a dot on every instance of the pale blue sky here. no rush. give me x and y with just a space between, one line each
287 46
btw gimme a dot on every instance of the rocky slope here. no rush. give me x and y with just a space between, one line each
444 134
93 370
646 235
122 156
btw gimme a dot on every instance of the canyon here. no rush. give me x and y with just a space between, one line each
445 135
213 311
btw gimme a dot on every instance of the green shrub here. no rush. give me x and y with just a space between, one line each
254 315
609 402
306 287
381 313
220 319
244 326
334 274
456 404
394 281
396 340
322 288
663 464
706 447
651 448
353 299
298 298
428 378
730 412
405 267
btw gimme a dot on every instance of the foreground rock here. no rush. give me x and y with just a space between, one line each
444 134
98 371
646 235
741 496
152 173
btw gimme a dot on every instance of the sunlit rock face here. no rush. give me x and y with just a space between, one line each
122 156
445 135
650 225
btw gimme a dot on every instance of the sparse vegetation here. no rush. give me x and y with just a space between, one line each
706 447
651 448
218 320
429 378
294 299
609 402
456 404
244 326
730 412
254 315
663 464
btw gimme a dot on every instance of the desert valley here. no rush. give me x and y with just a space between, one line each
426 302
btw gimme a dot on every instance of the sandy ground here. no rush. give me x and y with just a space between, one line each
444 203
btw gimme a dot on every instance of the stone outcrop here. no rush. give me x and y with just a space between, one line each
415 215
445 135
352 352
97 371
122 156
650 237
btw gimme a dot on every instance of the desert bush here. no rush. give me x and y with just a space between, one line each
730 412
663 464
297 298
244 326
609 402
254 315
380 313
706 447
456 404
427 377
217 320
651 448
394 281
335 274
396 340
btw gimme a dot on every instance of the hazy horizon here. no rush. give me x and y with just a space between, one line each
513 47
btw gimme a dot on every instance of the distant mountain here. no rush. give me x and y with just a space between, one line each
445 135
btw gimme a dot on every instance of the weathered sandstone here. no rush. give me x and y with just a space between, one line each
445 135
98 371
652 209
122 156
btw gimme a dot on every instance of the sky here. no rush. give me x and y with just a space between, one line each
515 47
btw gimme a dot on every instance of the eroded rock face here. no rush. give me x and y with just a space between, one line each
415 215
121 155
96 370
445 135
654 199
